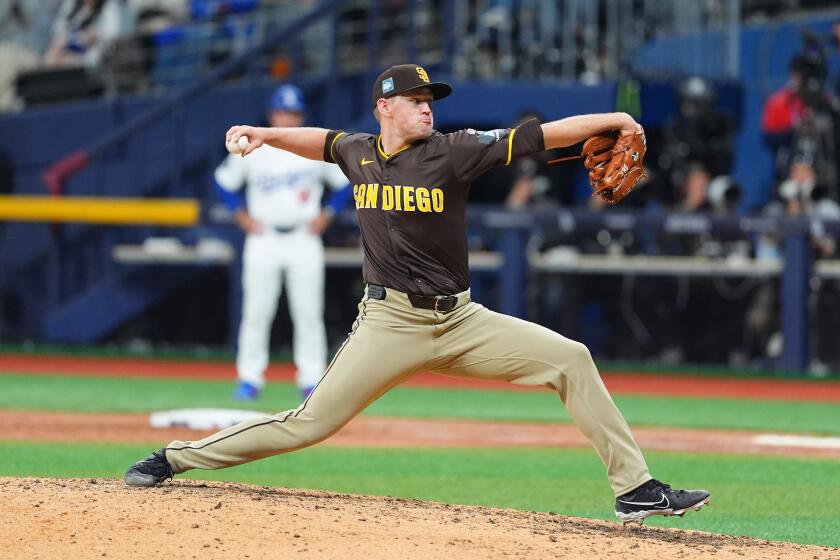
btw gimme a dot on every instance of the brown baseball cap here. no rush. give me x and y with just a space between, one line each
403 78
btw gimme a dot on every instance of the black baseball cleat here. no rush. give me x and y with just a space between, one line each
656 498
152 470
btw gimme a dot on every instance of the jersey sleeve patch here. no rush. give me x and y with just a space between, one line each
475 151
491 136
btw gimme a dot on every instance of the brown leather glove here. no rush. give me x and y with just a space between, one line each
614 163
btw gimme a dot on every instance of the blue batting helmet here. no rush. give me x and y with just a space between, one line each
287 98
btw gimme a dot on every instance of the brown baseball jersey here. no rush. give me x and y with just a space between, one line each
412 203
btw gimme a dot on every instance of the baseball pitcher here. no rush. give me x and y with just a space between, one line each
410 186
281 215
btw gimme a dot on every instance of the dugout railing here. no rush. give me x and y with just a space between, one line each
512 263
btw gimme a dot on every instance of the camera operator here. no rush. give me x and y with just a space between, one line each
698 134
799 118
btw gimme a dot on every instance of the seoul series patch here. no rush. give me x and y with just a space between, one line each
387 85
492 136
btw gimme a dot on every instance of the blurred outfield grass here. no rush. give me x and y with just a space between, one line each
99 394
795 500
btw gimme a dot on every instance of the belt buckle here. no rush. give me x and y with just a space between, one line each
439 299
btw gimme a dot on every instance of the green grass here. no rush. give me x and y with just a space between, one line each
223 353
794 500
95 394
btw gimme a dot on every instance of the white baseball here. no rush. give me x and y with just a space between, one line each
239 146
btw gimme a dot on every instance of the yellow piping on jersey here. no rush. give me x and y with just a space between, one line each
381 151
510 146
337 136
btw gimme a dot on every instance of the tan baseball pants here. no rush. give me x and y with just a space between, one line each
391 340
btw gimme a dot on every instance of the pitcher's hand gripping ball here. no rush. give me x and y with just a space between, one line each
239 146
614 163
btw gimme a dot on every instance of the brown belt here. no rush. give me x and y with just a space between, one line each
441 304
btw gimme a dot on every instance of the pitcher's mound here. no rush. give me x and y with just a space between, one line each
87 518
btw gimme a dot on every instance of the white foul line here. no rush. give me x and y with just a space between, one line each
780 440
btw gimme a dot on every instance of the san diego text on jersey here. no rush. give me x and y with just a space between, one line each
403 198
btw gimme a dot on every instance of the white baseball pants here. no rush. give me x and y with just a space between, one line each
269 259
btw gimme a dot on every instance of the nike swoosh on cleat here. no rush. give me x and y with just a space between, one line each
664 503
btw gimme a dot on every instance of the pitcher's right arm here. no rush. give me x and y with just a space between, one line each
305 142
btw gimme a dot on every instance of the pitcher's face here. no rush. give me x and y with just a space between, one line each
411 114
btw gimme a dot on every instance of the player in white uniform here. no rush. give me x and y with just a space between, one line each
283 220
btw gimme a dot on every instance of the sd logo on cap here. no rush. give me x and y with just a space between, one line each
403 78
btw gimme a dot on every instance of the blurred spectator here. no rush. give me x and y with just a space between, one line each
698 134
590 58
529 186
494 36
27 23
150 16
724 195
23 38
536 183
798 119
691 196
83 30
128 59
800 194
694 189
783 110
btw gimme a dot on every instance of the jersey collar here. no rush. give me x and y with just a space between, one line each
382 152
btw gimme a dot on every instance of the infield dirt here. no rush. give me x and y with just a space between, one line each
101 518
36 425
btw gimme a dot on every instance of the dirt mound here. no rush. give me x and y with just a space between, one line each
87 518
